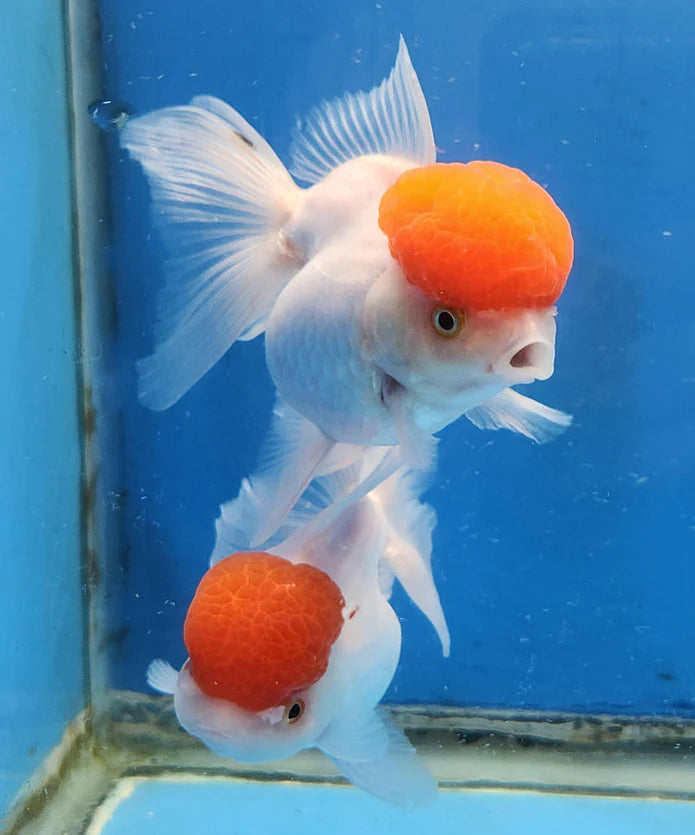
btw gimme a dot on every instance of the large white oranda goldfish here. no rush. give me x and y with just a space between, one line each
395 293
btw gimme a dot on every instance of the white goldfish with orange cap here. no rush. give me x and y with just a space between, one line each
395 293
294 648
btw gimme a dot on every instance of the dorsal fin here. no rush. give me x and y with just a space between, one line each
391 119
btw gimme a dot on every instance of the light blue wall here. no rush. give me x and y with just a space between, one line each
41 686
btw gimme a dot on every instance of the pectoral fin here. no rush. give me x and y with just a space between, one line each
513 411
162 676
357 736
418 447
388 768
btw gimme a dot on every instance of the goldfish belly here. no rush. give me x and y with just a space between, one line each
315 345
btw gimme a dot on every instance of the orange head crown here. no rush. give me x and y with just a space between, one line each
261 628
478 236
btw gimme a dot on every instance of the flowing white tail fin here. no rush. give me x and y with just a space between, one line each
221 197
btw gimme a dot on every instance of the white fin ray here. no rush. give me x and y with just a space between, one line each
518 413
407 522
321 494
385 578
392 119
290 456
418 447
326 489
355 736
162 676
384 462
220 196
397 776
409 549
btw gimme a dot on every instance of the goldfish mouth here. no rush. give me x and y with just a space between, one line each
526 362
536 355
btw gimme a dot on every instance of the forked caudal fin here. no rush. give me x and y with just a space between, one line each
380 463
406 522
221 196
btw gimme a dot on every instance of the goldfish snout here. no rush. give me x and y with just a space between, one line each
530 354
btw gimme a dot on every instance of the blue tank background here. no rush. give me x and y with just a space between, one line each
565 570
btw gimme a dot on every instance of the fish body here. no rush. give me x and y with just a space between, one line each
318 347
349 280
360 551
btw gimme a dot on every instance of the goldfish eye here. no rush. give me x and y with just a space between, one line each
294 712
447 321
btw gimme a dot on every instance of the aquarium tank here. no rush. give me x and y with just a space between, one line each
348 426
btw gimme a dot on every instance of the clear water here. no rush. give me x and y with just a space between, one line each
565 570
541 553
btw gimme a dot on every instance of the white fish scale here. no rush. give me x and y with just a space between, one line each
344 207
315 358
315 334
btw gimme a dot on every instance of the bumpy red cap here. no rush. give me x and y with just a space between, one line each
478 236
261 628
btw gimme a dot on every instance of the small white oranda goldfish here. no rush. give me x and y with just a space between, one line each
282 659
395 293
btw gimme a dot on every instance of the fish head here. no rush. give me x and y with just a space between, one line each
269 722
251 736
480 254
259 633
444 354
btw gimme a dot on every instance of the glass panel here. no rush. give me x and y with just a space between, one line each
41 648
